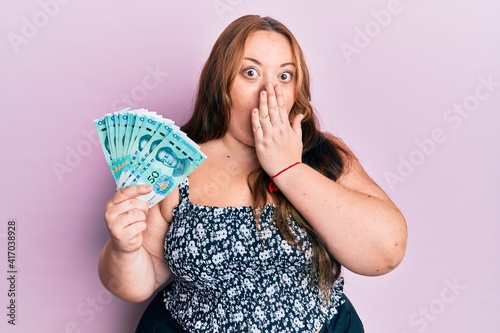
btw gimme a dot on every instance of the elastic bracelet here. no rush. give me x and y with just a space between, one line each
288 167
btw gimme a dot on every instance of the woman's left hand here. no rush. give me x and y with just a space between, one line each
278 142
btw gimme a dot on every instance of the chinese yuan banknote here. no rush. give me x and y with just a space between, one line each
142 147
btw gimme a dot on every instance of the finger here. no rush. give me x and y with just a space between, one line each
132 216
120 228
130 237
114 211
280 100
125 213
135 228
272 104
263 107
130 192
297 125
256 124
264 119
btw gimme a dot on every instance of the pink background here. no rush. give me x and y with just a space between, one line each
392 99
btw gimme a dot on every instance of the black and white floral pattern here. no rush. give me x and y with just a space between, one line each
231 277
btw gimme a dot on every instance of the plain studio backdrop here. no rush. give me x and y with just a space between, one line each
413 87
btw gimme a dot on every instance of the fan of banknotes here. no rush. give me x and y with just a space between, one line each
142 147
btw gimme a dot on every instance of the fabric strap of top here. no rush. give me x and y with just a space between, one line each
184 191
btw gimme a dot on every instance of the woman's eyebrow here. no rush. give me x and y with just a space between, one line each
282 65
253 60
288 64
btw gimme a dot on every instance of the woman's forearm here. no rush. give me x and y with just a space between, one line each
129 276
362 228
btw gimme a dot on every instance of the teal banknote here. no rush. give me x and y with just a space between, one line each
142 147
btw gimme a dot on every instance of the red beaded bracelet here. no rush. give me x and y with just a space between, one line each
271 186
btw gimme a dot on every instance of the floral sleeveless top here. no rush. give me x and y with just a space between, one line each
231 276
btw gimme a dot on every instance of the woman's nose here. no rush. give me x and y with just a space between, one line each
269 85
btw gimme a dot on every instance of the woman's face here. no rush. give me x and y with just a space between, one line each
267 58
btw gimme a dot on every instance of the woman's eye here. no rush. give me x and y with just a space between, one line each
285 76
250 72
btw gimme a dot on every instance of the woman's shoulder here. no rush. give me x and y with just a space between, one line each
354 175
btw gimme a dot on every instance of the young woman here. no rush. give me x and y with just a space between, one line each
254 239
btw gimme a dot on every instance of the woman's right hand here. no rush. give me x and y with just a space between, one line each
125 217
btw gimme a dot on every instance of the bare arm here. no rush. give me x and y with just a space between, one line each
131 264
360 225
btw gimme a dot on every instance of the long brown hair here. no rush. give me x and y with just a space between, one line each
321 151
